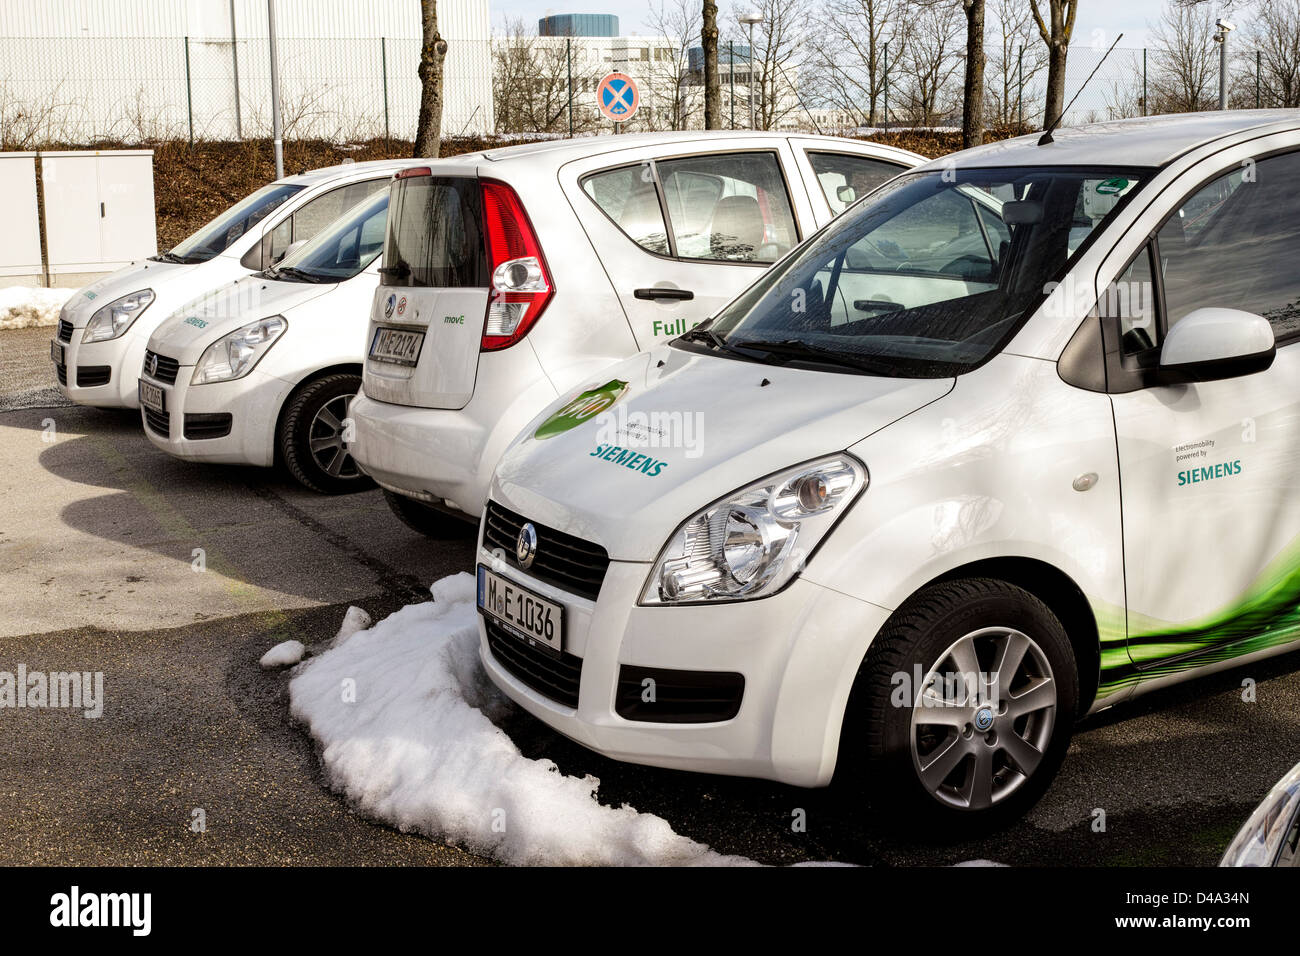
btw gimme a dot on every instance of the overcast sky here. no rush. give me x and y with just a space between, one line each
1099 21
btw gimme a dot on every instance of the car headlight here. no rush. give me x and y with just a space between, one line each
112 320
754 542
233 355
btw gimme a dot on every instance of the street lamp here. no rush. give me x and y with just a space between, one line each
749 19
1224 27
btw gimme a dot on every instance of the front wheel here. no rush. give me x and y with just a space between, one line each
313 433
963 708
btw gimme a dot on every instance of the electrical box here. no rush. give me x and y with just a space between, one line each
20 239
99 211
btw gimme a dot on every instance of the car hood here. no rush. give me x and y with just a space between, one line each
719 424
138 276
192 328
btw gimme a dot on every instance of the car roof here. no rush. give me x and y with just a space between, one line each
1142 141
311 177
557 152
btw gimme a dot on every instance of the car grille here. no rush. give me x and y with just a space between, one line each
89 376
215 425
555 677
570 563
167 367
680 697
65 330
159 422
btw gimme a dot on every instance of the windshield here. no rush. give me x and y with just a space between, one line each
343 248
214 238
929 277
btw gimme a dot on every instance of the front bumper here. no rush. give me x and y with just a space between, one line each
252 402
798 652
121 358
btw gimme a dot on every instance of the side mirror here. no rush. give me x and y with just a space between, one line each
1212 344
293 247
846 194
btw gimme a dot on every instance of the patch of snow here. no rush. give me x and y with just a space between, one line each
978 863
355 620
25 307
283 655
403 714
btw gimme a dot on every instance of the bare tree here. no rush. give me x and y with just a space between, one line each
530 83
433 51
1011 52
679 22
1186 67
1275 33
1056 32
972 102
712 86
931 58
847 55
776 42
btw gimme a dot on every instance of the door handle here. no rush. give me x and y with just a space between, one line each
658 292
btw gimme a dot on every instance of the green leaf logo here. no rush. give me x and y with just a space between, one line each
585 406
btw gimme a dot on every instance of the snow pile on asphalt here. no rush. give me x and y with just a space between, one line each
403 714
24 307
282 655
354 622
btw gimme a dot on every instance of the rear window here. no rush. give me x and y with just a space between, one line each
434 234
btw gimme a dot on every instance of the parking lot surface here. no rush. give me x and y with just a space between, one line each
174 578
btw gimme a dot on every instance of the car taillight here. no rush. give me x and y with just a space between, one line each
521 283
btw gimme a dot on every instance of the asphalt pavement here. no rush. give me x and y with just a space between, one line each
99 537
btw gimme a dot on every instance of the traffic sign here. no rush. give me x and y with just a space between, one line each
618 97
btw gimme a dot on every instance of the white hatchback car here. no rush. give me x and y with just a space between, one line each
937 484
103 329
513 274
264 368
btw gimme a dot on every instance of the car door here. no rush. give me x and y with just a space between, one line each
681 232
1211 517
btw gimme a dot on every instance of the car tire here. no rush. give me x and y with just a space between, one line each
311 436
951 767
427 520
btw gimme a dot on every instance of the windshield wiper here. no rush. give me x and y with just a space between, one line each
702 333
797 349
297 275
170 256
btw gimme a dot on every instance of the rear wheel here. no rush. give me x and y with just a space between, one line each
427 520
312 432
964 706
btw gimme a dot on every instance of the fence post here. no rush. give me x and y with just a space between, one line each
731 76
234 57
568 58
383 69
884 119
1020 90
1144 81
189 93
1257 64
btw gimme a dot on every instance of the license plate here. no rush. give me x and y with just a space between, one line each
56 353
151 396
530 616
399 346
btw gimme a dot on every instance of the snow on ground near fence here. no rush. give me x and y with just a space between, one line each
418 749
23 307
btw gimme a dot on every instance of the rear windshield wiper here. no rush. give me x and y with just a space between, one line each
797 348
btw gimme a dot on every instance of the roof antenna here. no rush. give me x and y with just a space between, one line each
1047 134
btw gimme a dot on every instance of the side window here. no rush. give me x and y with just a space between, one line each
628 197
315 215
845 179
730 207
1132 300
1234 243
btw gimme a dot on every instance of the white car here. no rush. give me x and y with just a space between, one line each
103 329
513 274
1271 835
937 484
263 369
